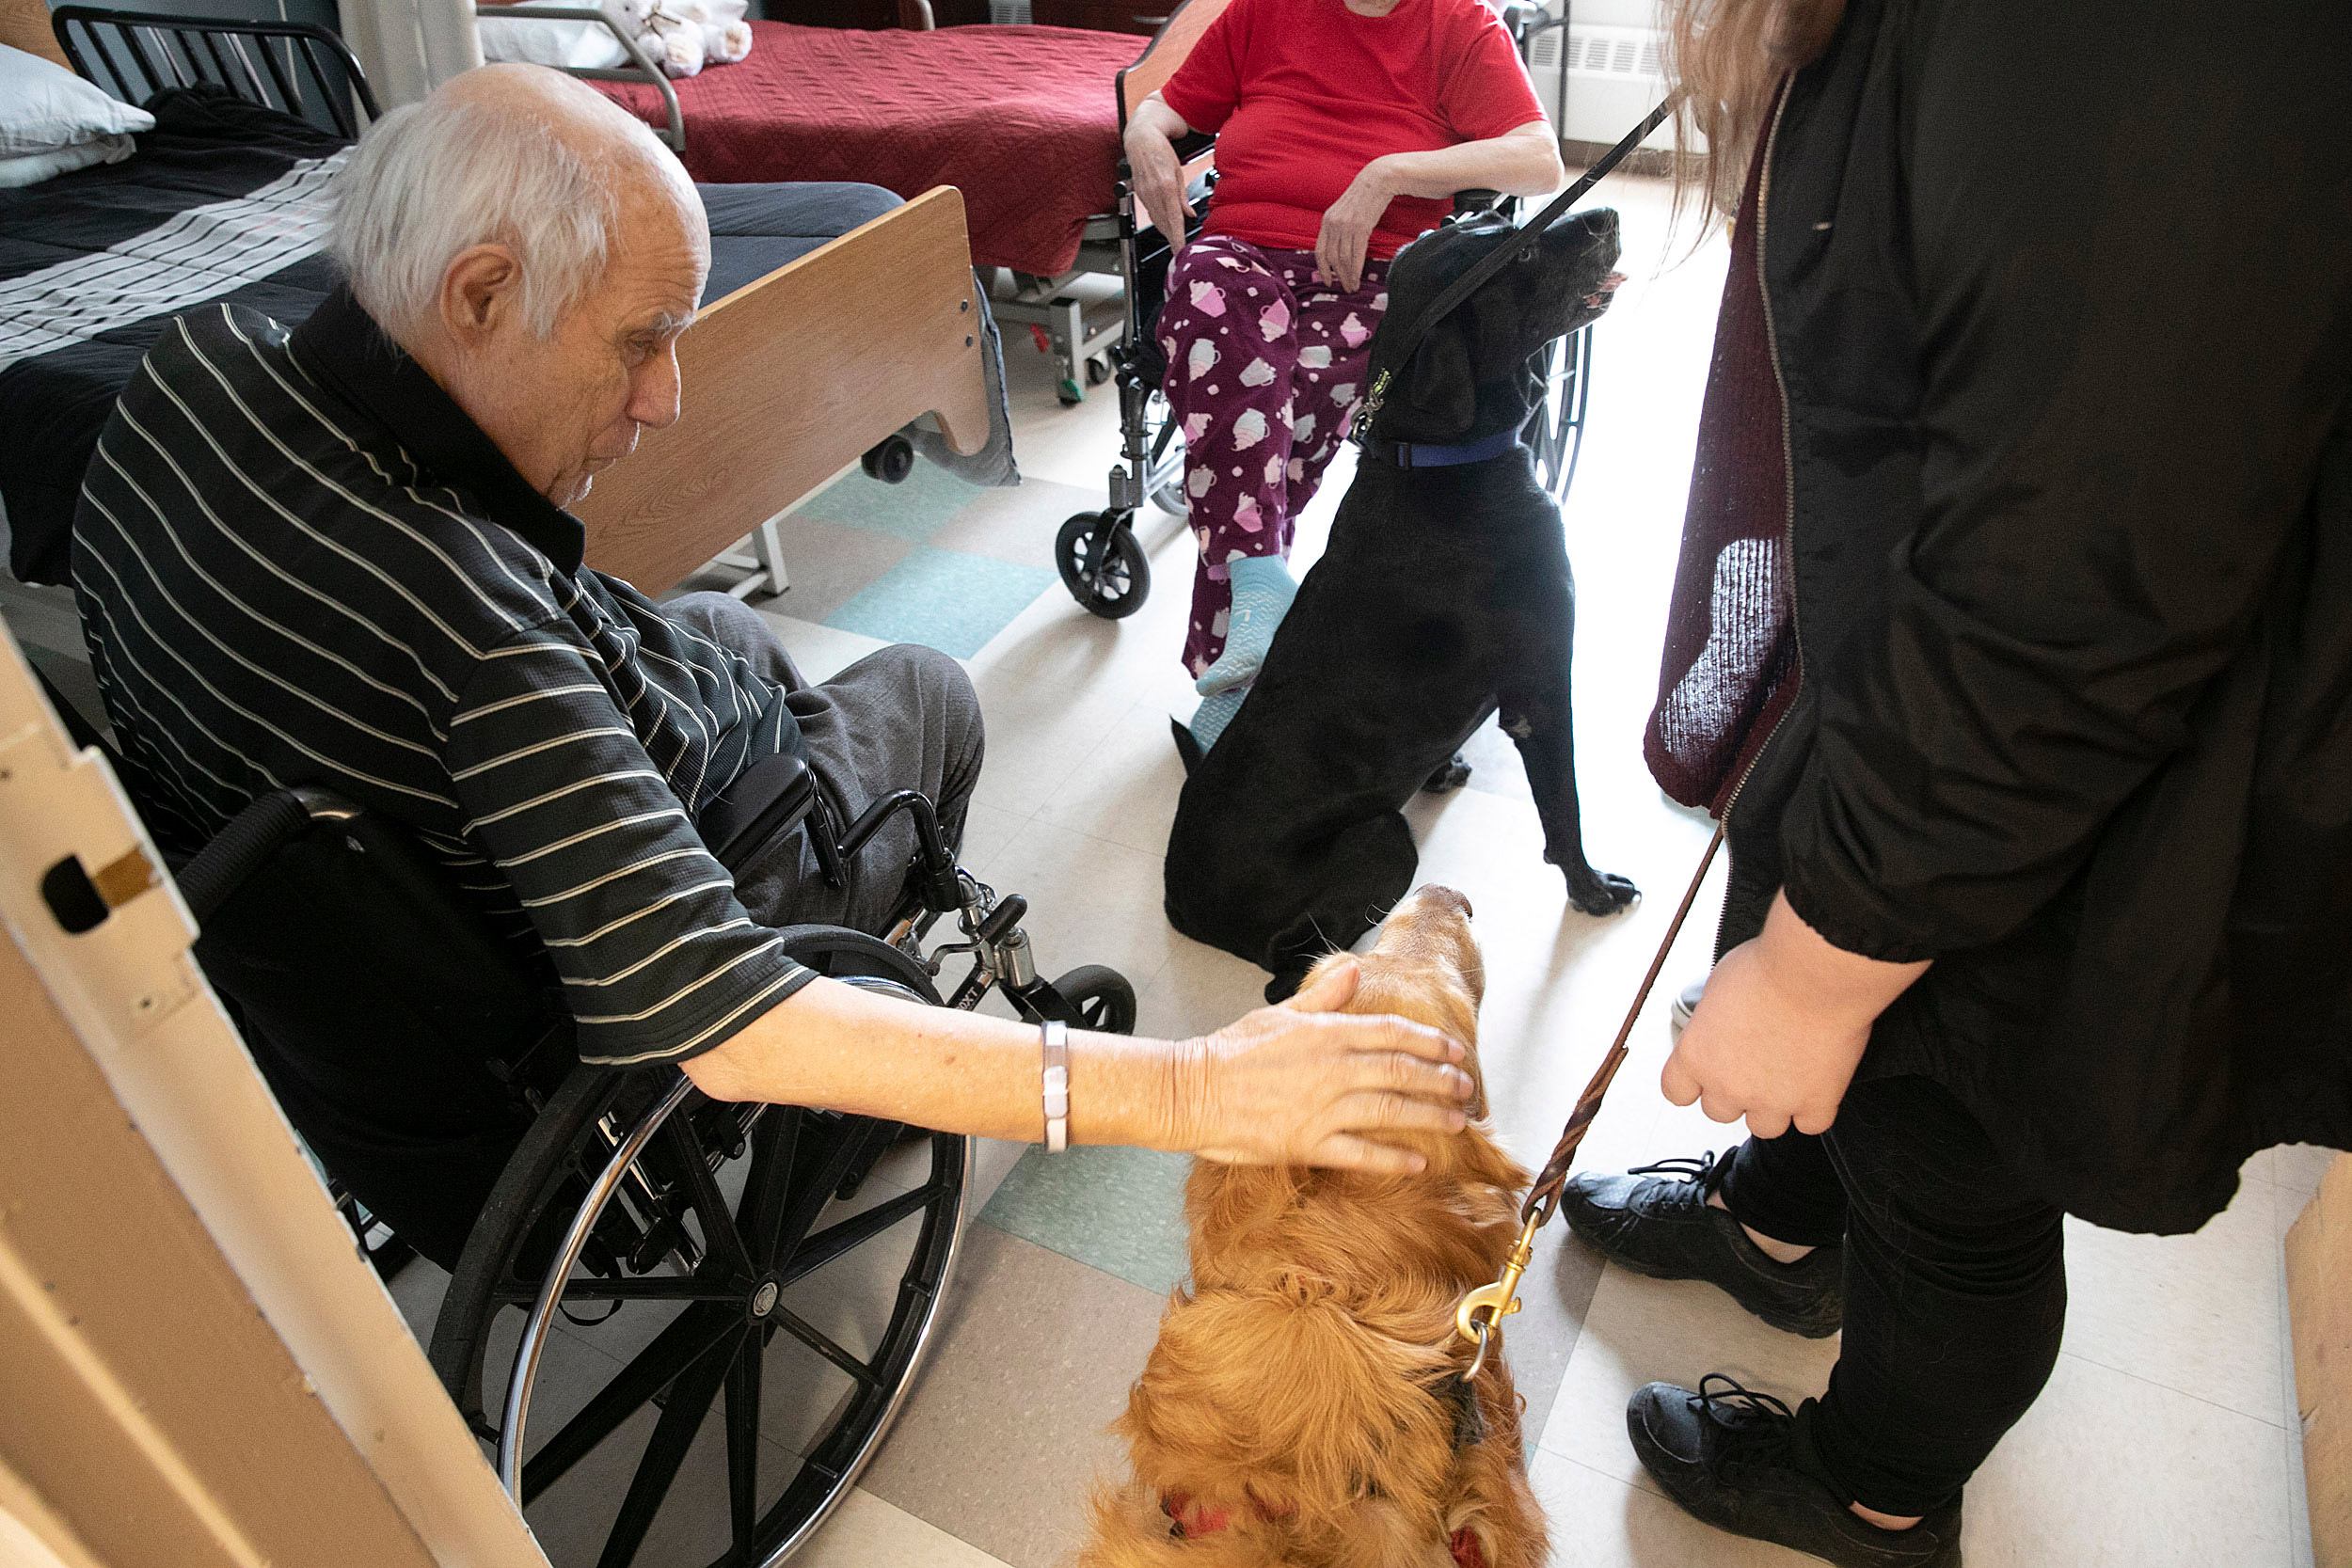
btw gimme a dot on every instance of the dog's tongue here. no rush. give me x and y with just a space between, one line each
1608 287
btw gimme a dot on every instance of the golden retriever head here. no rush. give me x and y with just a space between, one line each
1424 966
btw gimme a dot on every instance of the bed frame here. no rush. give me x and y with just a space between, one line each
786 382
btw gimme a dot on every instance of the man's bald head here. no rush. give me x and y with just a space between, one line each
517 155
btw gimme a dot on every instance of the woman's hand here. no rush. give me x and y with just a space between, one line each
1157 173
1781 1027
1345 239
1299 1084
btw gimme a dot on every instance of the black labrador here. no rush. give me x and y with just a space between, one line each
1444 597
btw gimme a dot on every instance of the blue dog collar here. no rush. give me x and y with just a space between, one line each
1411 455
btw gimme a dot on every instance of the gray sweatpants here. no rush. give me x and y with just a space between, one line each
902 718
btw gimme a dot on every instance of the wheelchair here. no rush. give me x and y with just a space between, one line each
749 1257
1101 563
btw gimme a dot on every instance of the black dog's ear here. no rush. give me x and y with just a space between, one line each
1439 390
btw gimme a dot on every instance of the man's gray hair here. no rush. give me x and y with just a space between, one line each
430 181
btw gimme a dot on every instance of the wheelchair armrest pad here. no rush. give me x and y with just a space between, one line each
766 800
1476 199
210 876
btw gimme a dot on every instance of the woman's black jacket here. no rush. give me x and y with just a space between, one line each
2060 297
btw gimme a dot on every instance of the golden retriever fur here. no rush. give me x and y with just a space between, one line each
1298 1391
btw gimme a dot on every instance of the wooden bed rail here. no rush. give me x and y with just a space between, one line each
24 25
787 381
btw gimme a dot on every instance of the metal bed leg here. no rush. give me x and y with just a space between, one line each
763 569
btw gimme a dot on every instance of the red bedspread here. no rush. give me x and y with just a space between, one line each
1022 120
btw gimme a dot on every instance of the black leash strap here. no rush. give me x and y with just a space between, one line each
1497 259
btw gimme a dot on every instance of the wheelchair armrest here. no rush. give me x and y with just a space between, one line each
766 800
207 878
1476 199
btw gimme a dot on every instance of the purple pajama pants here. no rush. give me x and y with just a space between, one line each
1264 369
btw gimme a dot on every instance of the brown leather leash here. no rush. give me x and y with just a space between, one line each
1483 1310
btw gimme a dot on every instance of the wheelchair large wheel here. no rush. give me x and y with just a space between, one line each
1110 577
762 1330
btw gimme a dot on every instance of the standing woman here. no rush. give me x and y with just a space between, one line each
1343 129
2014 635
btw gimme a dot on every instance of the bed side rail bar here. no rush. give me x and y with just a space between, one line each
642 68
304 71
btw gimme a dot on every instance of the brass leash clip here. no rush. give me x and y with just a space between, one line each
1498 1300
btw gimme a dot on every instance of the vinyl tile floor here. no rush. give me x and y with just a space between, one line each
2167 1436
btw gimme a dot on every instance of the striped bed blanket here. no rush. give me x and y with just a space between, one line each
223 200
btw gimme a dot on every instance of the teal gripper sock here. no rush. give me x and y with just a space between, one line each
1262 591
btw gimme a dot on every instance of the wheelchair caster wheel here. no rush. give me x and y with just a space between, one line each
1108 577
1104 999
890 460
1098 370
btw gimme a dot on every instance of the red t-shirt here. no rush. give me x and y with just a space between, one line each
1303 93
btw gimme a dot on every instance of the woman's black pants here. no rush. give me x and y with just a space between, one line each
1955 1286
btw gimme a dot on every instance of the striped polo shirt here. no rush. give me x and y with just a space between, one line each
299 562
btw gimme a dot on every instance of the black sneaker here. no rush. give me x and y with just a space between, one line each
1730 1458
1654 1220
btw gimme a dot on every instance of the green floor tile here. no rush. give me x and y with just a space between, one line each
1118 1209
944 599
913 510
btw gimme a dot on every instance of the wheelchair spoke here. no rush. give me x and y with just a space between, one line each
764 1196
693 1286
814 1181
677 1348
720 1238
744 1374
673 1434
834 1240
866 1375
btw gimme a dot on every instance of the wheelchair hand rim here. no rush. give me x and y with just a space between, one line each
541 1322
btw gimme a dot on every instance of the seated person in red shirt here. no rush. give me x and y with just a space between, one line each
1343 129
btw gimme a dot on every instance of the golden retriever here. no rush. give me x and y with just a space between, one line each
1303 1405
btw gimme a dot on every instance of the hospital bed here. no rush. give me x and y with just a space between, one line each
793 377
1013 116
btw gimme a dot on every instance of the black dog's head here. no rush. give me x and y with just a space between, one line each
1472 374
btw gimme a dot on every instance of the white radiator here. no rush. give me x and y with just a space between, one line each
1612 80
1009 14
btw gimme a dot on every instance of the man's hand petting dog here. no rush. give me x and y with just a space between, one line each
1780 1028
1321 1090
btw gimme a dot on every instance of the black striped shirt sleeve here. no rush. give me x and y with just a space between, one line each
657 957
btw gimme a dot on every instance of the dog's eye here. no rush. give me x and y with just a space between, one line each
1527 254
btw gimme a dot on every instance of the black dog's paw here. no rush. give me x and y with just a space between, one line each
1451 775
1601 892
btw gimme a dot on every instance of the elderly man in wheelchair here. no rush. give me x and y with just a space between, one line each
581 939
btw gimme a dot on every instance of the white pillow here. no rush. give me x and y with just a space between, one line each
43 106
31 169
581 45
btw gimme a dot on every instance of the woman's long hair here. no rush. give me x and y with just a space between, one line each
1727 56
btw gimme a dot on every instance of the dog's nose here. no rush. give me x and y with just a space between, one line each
1444 895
